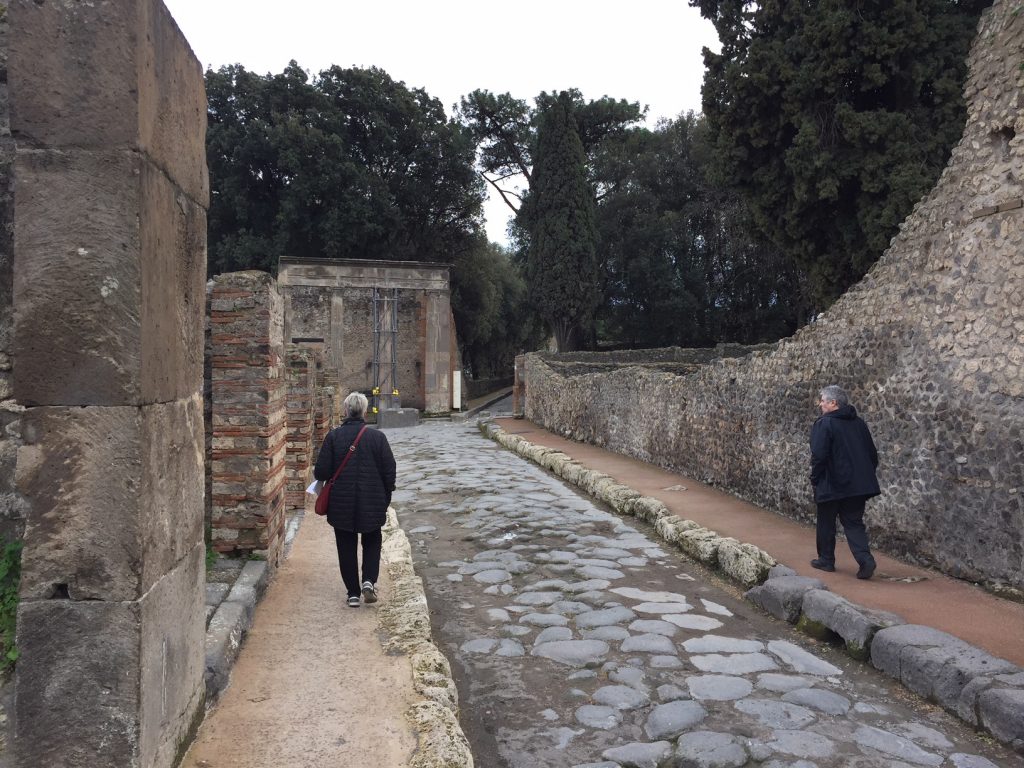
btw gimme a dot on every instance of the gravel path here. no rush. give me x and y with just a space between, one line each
577 639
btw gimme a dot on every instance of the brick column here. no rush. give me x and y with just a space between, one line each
109 116
250 429
302 395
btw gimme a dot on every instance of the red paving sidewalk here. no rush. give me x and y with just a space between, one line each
929 598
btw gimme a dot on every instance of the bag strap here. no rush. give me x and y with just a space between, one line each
348 454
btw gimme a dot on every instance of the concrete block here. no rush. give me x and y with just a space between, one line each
394 418
107 237
114 502
855 624
783 596
126 73
73 653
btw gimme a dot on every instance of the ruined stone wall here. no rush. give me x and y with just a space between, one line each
108 112
302 395
930 344
249 415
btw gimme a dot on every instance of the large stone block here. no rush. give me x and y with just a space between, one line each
1001 711
126 73
109 282
115 497
856 624
783 596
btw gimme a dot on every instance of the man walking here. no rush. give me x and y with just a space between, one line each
843 462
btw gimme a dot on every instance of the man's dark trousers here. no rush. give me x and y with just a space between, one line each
851 514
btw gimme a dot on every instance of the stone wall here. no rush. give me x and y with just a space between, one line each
330 302
110 190
930 344
302 406
248 471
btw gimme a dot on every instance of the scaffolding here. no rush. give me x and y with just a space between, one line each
385 349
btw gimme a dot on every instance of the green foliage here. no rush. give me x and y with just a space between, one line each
346 164
211 555
561 265
10 577
832 119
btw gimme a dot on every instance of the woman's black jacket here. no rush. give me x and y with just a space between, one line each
360 496
843 456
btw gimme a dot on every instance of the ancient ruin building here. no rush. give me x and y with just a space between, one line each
371 314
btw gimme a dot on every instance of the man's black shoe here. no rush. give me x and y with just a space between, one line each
822 565
867 570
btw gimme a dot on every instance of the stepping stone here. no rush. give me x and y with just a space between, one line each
783 683
610 634
827 702
804 744
893 745
733 664
553 633
639 755
483 645
777 714
667 721
802 661
662 609
718 687
621 697
544 620
599 717
711 607
495 576
719 644
660 661
574 653
645 596
654 626
649 643
699 623
708 749
604 617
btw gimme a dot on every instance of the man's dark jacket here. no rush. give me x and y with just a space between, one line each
360 496
843 456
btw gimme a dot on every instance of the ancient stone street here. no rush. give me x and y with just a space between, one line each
578 639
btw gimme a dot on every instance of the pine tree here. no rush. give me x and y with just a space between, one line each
562 267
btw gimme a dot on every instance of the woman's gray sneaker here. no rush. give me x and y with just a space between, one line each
369 592
353 602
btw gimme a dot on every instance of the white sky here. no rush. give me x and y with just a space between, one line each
642 50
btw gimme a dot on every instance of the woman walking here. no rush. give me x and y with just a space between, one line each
358 504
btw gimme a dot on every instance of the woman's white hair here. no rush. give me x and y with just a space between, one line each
355 404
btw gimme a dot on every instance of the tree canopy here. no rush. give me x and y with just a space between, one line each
346 164
832 119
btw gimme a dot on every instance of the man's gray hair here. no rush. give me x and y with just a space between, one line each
355 404
836 393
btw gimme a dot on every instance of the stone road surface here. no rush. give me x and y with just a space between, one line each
577 639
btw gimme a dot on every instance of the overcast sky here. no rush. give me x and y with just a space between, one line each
641 50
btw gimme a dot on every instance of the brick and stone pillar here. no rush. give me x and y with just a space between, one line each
108 112
250 426
302 394
519 388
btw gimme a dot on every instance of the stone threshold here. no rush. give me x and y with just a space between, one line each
985 691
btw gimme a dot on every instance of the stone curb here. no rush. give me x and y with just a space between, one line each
984 691
404 615
229 625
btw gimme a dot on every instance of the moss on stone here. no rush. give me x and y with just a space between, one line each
814 628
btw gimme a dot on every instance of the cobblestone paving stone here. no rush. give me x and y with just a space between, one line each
579 641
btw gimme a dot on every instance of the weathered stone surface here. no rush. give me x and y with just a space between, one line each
745 563
621 697
649 643
600 717
127 75
783 596
640 755
733 663
666 721
708 749
1001 711
718 644
777 714
123 249
718 687
577 653
113 496
895 746
820 700
800 660
605 617
854 623
804 744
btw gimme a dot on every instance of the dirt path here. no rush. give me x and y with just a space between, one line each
312 686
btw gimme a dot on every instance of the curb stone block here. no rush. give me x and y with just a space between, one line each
649 509
700 544
621 498
744 562
855 624
223 639
780 570
1001 711
783 596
